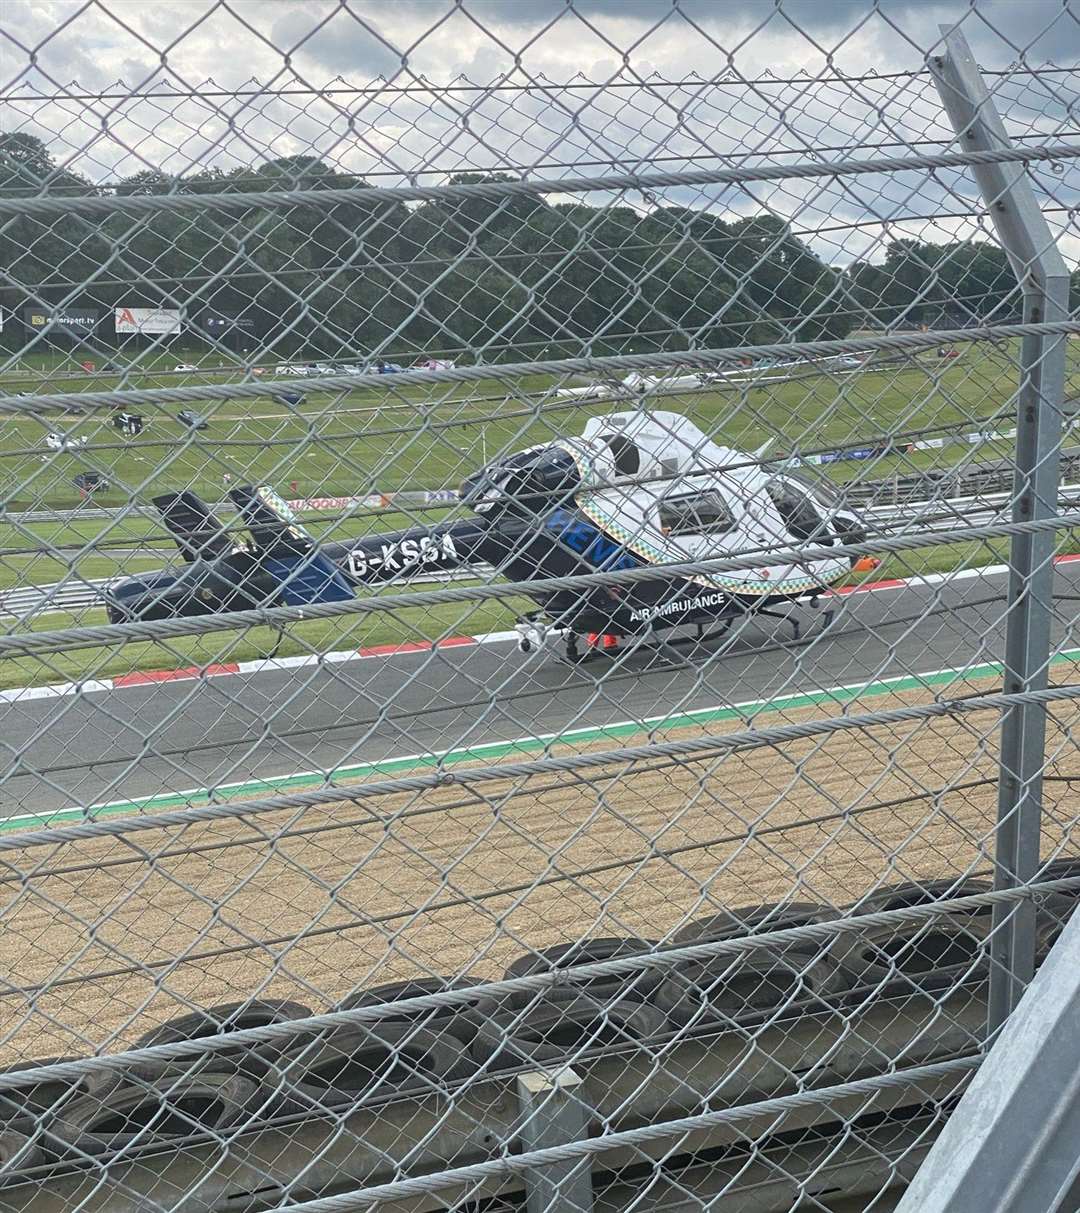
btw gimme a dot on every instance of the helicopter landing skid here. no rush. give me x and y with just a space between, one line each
827 616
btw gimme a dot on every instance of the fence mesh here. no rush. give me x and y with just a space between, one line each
504 569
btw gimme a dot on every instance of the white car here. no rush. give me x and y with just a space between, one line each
848 360
291 368
185 366
61 442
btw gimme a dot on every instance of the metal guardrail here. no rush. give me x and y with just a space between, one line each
985 478
936 515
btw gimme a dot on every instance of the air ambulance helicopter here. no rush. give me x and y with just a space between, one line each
638 489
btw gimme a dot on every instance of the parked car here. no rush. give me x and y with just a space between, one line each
60 442
129 424
192 420
90 482
185 366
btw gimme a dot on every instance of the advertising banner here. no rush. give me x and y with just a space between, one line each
72 322
216 322
156 321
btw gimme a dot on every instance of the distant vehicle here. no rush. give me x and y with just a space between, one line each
192 420
388 368
292 398
129 424
185 366
90 482
435 364
292 368
848 360
61 442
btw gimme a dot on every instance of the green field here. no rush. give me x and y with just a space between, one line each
394 438
386 439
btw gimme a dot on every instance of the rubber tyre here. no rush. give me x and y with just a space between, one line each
909 957
38 1099
459 1019
923 892
1053 910
558 1024
744 920
18 1150
227 1017
730 988
350 1064
926 956
154 1106
637 986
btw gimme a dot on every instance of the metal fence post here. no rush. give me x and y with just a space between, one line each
553 1112
1044 280
1011 1143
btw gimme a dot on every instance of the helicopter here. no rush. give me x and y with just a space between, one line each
638 489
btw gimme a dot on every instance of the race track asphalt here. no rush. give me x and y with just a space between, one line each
141 741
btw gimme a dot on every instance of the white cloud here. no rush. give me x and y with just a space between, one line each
546 114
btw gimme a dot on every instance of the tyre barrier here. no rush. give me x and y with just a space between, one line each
725 990
36 1099
156 1104
343 1066
637 986
932 955
421 1051
922 956
1055 909
460 1019
558 1023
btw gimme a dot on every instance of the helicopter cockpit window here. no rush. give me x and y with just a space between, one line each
798 512
625 454
695 514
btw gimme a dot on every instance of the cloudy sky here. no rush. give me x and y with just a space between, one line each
418 89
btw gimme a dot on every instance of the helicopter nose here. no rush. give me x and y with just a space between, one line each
530 482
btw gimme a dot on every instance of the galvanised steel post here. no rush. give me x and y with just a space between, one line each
1044 280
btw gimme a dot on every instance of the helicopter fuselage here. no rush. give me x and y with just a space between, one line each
636 491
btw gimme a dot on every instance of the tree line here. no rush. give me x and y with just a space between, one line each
507 276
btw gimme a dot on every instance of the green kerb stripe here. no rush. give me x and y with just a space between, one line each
528 745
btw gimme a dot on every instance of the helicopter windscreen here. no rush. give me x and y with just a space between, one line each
823 491
798 511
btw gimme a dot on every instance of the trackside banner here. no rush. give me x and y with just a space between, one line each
156 321
73 322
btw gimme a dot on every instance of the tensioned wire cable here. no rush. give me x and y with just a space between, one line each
89 636
136 204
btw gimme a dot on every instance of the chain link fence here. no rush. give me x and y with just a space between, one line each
539 583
